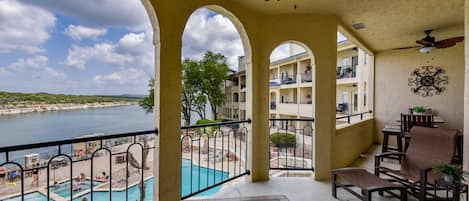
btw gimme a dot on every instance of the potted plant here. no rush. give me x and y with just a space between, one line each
450 172
418 109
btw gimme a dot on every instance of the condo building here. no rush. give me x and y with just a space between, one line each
292 88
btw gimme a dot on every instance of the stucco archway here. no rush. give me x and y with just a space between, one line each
292 83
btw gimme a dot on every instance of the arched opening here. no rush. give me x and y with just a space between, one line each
291 85
93 64
215 90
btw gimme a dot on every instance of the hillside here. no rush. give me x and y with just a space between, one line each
13 98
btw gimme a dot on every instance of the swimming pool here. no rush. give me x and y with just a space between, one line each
134 192
31 197
63 189
207 177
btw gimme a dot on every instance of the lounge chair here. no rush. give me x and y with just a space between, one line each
428 147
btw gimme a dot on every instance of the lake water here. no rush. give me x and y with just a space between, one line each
46 126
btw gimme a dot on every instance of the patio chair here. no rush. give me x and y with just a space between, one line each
428 147
410 120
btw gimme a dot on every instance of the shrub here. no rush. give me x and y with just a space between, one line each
283 140
207 130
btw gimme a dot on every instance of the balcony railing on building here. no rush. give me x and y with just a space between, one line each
81 167
98 167
352 118
348 71
288 80
220 152
291 144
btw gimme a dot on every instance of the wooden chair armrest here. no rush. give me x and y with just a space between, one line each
380 155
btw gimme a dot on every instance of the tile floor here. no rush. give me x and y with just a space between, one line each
294 188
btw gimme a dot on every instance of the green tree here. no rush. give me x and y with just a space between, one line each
214 72
148 102
202 82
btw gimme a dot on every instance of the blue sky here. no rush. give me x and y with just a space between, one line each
75 47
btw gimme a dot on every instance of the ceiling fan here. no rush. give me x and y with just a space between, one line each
428 43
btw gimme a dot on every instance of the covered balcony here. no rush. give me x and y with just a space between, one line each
261 157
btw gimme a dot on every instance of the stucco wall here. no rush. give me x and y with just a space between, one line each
393 95
349 142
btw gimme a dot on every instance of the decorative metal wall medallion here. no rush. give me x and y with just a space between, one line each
428 81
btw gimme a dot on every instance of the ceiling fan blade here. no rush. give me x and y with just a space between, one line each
449 42
405 48
424 42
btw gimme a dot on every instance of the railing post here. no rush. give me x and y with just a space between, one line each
348 119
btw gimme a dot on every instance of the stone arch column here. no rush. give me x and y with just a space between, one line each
319 33
172 18
167 110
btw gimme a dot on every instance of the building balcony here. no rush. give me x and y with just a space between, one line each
288 81
306 110
346 72
288 108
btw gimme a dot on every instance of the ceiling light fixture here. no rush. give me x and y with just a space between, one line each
426 50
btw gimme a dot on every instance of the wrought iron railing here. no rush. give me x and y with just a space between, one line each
288 80
66 157
213 154
355 117
291 144
348 71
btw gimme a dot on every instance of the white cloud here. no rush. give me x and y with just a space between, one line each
124 76
78 32
133 49
102 13
206 31
23 27
78 56
286 50
36 66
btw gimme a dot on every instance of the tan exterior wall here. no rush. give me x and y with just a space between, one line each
350 142
346 54
393 95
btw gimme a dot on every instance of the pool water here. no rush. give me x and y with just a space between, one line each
208 177
134 192
63 189
30 197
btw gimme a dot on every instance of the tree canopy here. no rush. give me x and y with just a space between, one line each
202 82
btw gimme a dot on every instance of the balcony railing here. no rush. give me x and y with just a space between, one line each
288 80
348 71
125 155
220 152
354 117
291 144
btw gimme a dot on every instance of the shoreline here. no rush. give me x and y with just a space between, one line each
59 107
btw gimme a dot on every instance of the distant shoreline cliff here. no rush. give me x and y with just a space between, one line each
12 110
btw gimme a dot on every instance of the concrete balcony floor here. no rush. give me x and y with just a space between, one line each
294 188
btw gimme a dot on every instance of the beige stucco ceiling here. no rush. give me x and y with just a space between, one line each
388 23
